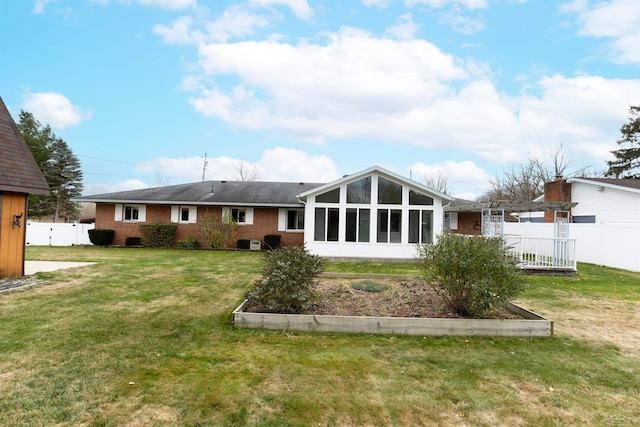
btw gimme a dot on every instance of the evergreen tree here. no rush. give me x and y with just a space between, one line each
60 167
627 158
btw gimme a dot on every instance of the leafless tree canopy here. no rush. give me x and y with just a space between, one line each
437 181
525 181
246 171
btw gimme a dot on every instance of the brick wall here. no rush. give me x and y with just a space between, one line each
556 191
469 223
265 221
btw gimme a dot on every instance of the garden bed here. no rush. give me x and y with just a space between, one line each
403 306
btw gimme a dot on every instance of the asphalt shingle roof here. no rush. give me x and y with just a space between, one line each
245 193
19 171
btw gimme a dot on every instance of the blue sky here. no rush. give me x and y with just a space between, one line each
306 90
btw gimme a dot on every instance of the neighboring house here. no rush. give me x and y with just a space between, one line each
19 177
372 214
599 200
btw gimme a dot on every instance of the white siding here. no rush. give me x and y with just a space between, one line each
606 203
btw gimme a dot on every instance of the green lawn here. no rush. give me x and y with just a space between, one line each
144 337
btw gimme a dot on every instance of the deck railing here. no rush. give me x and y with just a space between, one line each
545 253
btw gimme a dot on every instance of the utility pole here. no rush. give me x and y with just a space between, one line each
204 166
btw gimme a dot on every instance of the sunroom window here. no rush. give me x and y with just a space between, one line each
332 196
389 192
359 192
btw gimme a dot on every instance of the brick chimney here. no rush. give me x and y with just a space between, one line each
557 190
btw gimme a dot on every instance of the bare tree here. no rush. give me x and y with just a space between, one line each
437 181
525 181
247 171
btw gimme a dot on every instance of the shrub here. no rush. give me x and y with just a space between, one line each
471 274
243 244
133 241
189 242
272 241
101 236
217 232
369 286
158 234
288 281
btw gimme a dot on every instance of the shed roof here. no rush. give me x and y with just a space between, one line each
19 172
212 193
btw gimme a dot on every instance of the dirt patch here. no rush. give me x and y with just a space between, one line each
399 298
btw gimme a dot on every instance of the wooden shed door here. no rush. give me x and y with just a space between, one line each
13 214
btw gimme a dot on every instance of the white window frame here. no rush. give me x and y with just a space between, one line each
121 209
227 212
176 214
283 220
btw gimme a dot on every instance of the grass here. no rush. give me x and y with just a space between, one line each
144 337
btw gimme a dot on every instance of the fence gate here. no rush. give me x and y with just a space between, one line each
492 222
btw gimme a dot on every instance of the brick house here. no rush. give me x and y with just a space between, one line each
19 177
374 213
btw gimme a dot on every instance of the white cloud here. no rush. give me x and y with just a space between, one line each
100 188
162 4
461 23
179 32
404 29
277 164
169 4
288 164
379 4
407 91
300 8
469 4
618 21
54 109
235 22
38 7
465 175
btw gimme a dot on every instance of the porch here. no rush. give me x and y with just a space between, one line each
551 254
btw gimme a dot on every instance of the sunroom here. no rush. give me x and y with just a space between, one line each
374 214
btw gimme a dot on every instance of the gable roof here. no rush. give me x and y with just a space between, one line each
212 193
369 171
19 172
625 184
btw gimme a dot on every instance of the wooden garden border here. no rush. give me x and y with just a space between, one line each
533 325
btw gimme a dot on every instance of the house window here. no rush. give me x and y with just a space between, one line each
326 224
416 198
420 226
295 219
332 196
389 192
360 191
131 213
358 224
389 225
239 215
184 214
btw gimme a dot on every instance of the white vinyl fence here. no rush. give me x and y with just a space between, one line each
613 244
57 234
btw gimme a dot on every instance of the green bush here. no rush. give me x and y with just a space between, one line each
243 244
272 241
472 274
158 234
369 286
101 236
133 241
189 242
288 281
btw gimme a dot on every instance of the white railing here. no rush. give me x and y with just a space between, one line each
545 253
